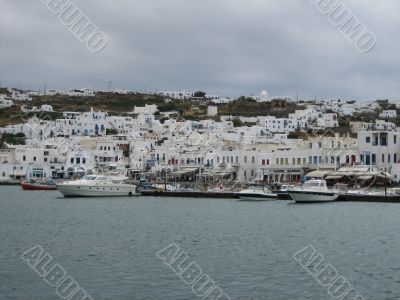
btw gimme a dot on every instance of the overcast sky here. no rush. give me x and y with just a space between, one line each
226 47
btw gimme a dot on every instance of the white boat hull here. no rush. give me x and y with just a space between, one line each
256 197
116 190
313 196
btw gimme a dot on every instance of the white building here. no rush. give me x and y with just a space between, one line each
388 114
328 121
5 103
85 92
379 148
19 96
178 95
384 125
147 109
43 108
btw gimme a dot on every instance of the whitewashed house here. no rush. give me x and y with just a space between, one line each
5 103
178 95
85 92
384 125
20 96
388 114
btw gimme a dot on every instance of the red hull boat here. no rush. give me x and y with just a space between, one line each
36 186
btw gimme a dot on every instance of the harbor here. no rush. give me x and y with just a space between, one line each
207 195
109 236
199 150
104 187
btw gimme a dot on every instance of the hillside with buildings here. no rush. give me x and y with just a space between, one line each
206 139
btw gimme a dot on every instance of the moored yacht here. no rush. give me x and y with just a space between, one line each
314 190
282 191
97 186
256 194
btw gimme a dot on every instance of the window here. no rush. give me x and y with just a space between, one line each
395 158
310 146
263 162
245 159
253 160
395 139
383 158
45 159
34 158
389 158
237 159
368 139
252 173
374 159
277 161
72 160
24 158
84 160
78 160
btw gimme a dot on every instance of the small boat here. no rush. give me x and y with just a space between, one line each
97 186
314 190
33 185
365 192
256 194
283 191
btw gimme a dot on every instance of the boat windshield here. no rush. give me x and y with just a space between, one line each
315 184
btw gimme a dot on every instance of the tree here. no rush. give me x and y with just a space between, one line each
199 94
111 131
237 122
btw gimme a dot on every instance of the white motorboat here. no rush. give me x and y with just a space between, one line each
314 190
97 186
256 194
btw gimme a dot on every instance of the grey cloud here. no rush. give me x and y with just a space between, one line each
229 47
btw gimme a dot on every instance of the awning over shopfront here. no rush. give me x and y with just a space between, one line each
334 177
185 171
319 173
